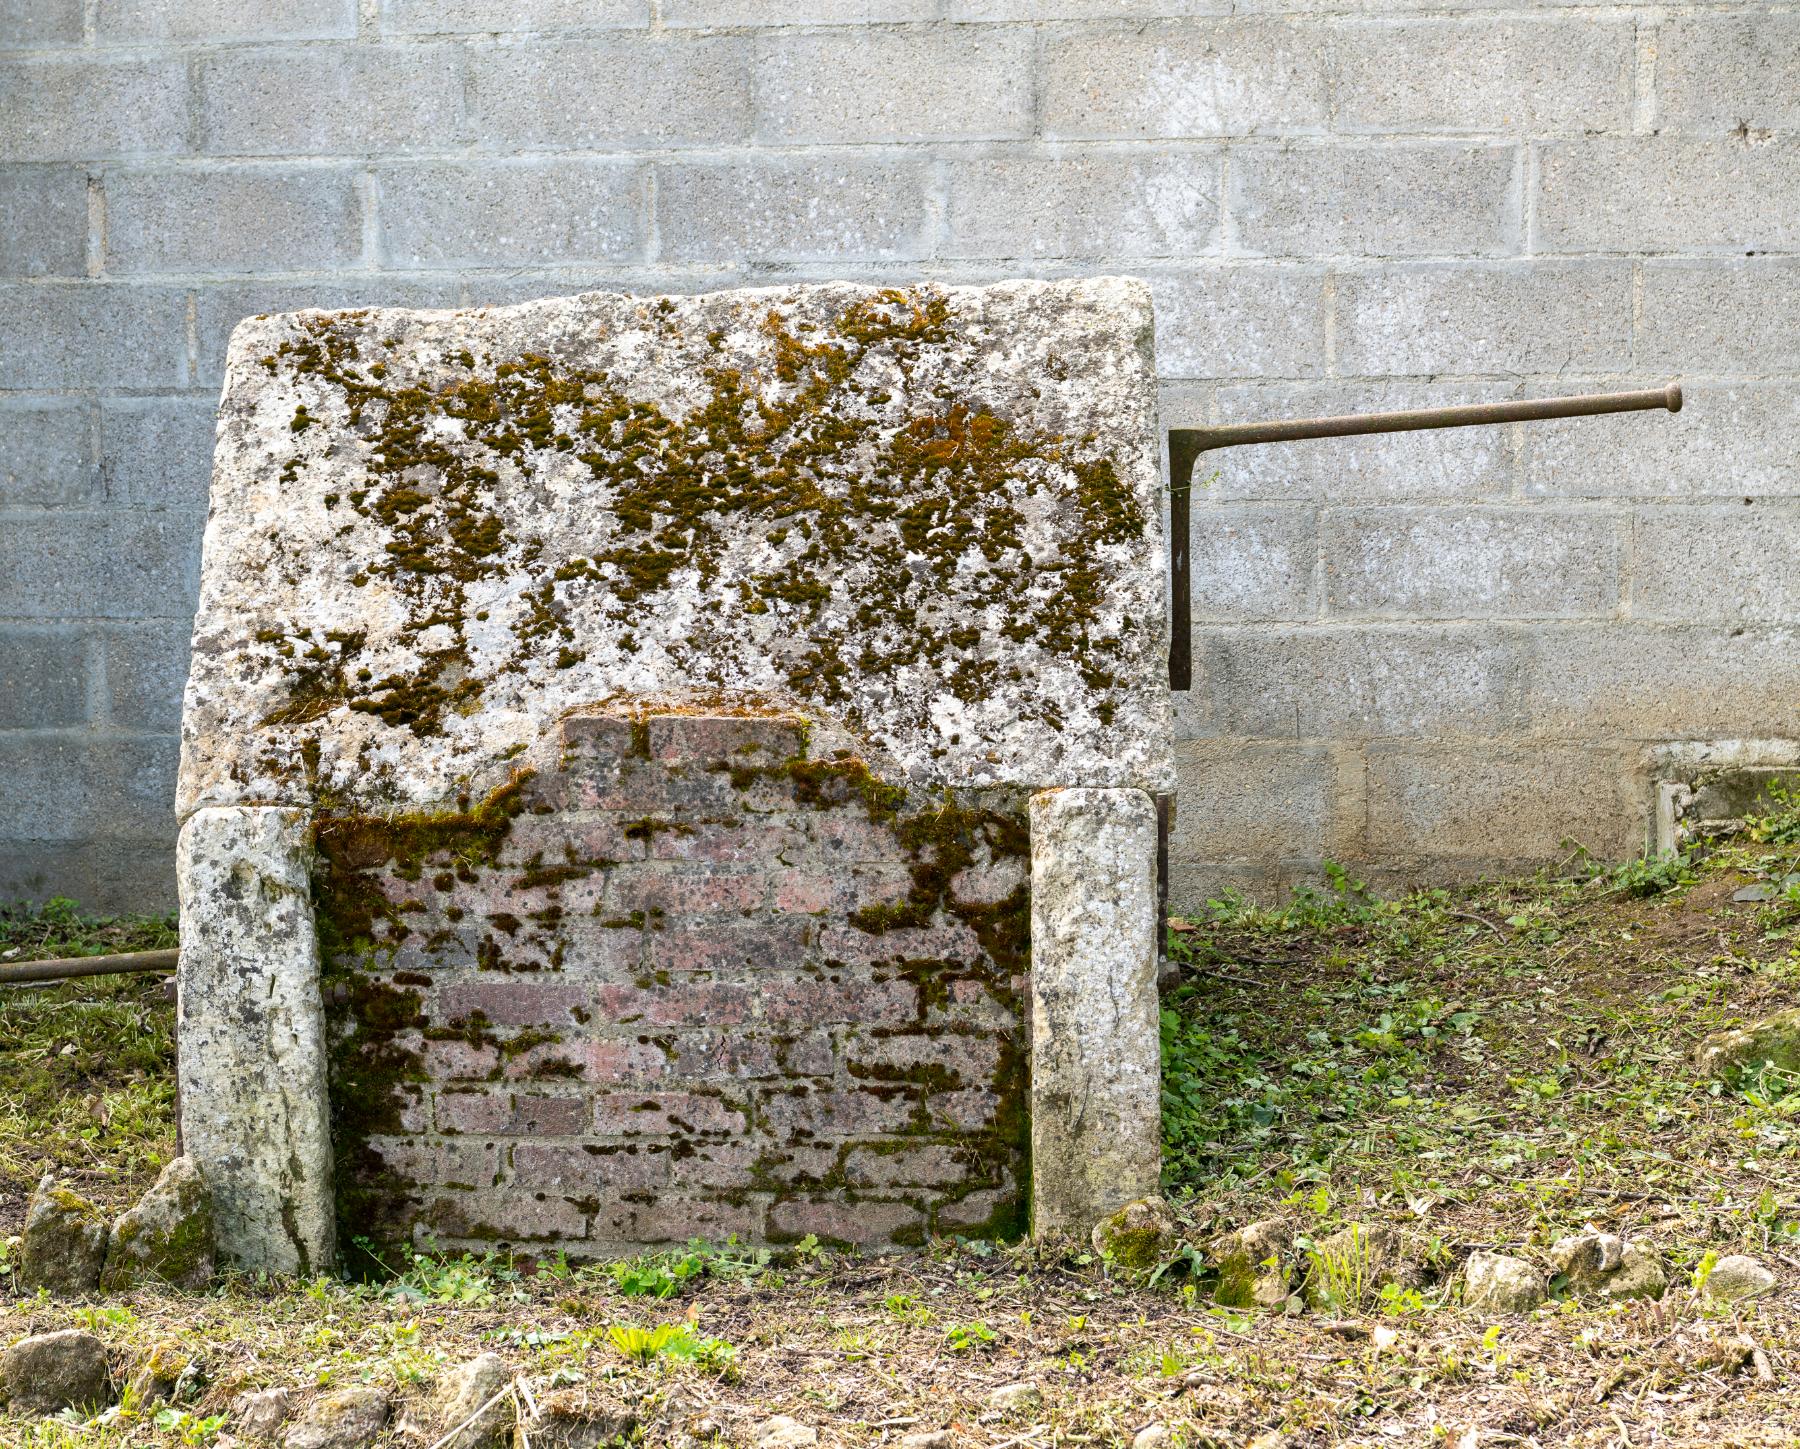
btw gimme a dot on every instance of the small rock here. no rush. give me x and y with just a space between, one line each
167 1237
1775 1040
157 1376
1138 1236
1016 1398
1252 1264
65 1242
1151 1436
261 1415
1357 1262
1737 1276
471 1388
348 1419
929 1439
1495 1283
1600 1265
579 1419
53 1371
781 1432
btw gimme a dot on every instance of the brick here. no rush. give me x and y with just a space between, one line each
554 1168
732 842
505 213
681 890
978 1211
1254 563
1722 562
1719 72
75 786
931 1164
219 308
146 671
85 334
456 1060
1730 439
79 109
1198 78
1241 321
521 1114
1376 200
727 1055
665 1114
156 452
696 1004
849 888
851 946
148 21
500 1216
783 946
46 456
329 100
1734 316
445 17
1531 563
849 835
524 1001
1444 463
46 211
704 739
1637 681
990 883
1663 193
1483 803
810 1001
612 92
811 1113
731 1164
43 678
949 1059
803 209
1335 683
972 1109
1250 800
613 1061
236 220
100 565
1083 204
894 85
1532 76
40 22
671 1219
862 1223
1485 317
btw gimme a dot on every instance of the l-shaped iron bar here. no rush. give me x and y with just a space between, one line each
1187 444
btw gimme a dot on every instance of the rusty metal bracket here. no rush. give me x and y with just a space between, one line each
1187 444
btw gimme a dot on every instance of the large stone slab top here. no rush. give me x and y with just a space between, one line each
930 514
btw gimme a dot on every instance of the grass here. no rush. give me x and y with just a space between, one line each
1492 1067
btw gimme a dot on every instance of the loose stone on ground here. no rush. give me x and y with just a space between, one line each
349 1419
65 1242
1601 1265
52 1371
1497 1283
167 1237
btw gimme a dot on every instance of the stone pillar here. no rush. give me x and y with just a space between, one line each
254 1109
1096 1058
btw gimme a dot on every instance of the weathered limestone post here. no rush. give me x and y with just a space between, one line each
254 1108
1095 1054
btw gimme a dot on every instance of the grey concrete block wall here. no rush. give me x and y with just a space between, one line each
1424 655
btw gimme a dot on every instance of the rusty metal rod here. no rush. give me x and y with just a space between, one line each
1187 444
64 968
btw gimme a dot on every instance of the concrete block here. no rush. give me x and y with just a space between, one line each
1665 193
1447 463
1252 801
1482 563
100 565
1644 682
147 22
1729 562
33 23
86 334
1222 77
1728 70
1363 682
1241 321
47 453
1080 203
1043 10
717 14
1484 317
156 452
1391 199
236 219
1740 316
220 308
329 100
145 671
116 876
1254 562
43 678
805 209
77 109
447 17
505 213
76 785
672 92
894 85
1095 1067
1488 804
1548 74
1729 439
46 211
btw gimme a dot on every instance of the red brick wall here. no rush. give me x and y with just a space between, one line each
691 983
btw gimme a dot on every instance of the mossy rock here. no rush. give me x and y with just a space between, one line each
1138 1236
157 1375
1354 1264
1774 1041
1252 1265
167 1238
65 1242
